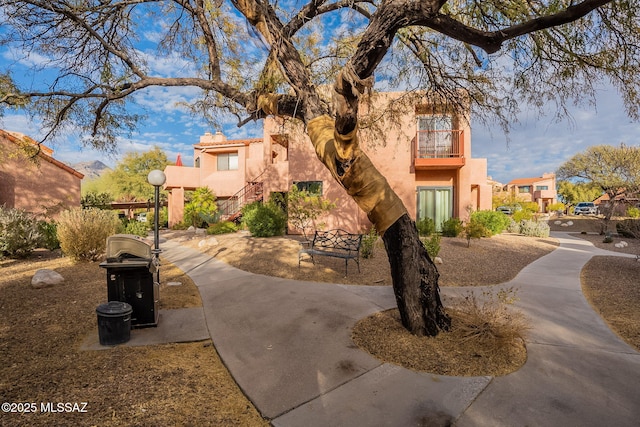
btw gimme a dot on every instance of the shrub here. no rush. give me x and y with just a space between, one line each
490 321
513 227
432 245
534 229
452 227
629 228
523 215
633 212
264 220
303 208
494 222
136 227
83 232
475 230
163 219
19 233
49 235
556 207
202 208
426 226
222 227
368 244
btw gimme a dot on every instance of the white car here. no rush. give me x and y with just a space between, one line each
585 208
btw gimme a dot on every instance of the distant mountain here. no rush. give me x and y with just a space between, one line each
92 169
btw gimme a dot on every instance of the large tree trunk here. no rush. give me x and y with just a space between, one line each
415 280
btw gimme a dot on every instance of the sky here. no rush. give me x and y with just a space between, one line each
536 145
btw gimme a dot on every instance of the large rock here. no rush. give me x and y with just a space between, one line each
44 278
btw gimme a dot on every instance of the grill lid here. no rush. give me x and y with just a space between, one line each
127 246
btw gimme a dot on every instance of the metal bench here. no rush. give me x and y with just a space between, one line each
334 243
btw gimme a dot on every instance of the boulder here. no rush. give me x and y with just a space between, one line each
44 278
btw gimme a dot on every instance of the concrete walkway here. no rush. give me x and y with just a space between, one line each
287 344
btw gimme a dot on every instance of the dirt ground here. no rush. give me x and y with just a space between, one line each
41 330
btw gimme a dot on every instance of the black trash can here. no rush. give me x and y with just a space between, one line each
114 322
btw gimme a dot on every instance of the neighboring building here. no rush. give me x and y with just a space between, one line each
425 156
541 190
32 180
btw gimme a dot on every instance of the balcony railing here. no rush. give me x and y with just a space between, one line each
439 149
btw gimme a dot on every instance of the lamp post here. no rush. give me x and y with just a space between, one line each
156 178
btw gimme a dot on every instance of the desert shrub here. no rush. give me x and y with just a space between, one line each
633 212
452 227
475 230
222 227
163 219
629 228
432 244
426 226
489 321
303 208
264 219
83 232
513 227
522 215
534 229
202 208
368 244
136 227
19 233
556 207
607 239
49 235
494 222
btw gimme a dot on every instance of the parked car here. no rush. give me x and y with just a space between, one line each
585 208
142 217
509 209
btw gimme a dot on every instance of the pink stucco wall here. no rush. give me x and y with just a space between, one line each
41 185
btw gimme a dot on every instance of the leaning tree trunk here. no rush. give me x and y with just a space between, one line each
415 277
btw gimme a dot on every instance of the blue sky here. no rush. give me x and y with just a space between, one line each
536 145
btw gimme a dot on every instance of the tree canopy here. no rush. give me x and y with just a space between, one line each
105 53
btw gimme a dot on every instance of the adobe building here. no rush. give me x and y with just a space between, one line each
424 153
32 180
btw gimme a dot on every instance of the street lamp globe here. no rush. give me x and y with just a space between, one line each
156 178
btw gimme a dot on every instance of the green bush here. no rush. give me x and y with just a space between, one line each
494 222
136 227
368 244
534 229
452 227
202 208
264 220
432 245
83 232
629 228
475 230
163 219
556 207
633 212
19 233
222 227
523 215
49 235
426 226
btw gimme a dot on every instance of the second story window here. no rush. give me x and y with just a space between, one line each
542 187
524 189
228 162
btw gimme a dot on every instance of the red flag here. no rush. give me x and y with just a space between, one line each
179 161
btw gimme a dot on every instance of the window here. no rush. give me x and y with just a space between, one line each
524 189
228 162
197 162
542 187
434 136
311 187
435 203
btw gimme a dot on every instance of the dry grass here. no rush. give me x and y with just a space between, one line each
186 384
41 331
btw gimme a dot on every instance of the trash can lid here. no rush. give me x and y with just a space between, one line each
114 307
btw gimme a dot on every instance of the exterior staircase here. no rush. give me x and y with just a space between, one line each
231 209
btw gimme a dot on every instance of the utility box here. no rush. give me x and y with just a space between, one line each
131 277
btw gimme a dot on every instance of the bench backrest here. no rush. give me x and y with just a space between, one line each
337 239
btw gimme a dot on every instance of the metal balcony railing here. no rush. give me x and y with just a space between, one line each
437 144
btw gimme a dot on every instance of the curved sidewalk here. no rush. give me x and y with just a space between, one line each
287 344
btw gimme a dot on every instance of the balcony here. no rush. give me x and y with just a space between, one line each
439 149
